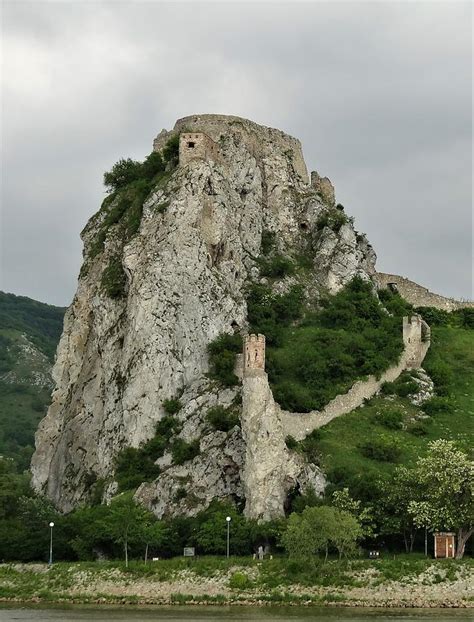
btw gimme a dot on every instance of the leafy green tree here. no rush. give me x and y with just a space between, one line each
156 535
212 532
394 517
122 173
342 500
444 495
318 529
127 521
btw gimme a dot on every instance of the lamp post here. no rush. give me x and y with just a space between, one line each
51 525
228 519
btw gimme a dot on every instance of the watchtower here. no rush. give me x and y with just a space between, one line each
195 146
416 337
254 352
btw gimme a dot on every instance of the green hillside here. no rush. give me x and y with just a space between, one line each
361 449
29 333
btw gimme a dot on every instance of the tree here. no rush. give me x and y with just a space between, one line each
318 529
342 500
126 522
156 535
122 173
444 496
398 492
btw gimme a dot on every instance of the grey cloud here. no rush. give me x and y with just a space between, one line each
379 94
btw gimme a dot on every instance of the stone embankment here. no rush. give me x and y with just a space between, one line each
417 295
435 585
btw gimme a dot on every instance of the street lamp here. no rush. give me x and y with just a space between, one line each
51 525
228 519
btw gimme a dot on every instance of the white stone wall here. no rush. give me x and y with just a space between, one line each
299 425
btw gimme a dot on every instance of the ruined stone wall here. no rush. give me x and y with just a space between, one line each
324 187
417 295
416 338
254 352
263 142
194 146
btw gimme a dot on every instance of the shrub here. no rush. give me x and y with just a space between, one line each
291 442
441 374
172 406
465 317
310 446
333 219
391 419
122 173
240 581
437 405
222 353
277 267
136 465
381 450
269 313
113 278
171 150
268 241
418 428
221 418
394 303
434 317
182 451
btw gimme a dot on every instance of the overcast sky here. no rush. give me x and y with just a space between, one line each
378 92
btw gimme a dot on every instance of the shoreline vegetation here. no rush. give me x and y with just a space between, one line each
401 582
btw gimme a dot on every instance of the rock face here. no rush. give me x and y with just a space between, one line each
186 270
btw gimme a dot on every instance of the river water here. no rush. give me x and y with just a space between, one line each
231 614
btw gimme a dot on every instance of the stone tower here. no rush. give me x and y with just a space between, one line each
197 145
416 337
254 352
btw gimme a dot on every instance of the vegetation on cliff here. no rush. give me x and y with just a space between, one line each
314 355
129 183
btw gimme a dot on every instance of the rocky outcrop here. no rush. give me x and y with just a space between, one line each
185 276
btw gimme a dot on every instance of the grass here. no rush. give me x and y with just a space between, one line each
267 581
341 440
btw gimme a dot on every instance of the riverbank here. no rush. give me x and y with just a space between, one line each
401 583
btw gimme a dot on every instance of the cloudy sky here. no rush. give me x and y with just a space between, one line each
378 92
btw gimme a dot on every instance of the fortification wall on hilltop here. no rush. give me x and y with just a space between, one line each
417 295
195 146
261 141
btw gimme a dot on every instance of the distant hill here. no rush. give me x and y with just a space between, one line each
29 333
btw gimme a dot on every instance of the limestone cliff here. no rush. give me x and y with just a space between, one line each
185 274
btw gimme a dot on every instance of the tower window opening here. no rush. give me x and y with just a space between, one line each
191 145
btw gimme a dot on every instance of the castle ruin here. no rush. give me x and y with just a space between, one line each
416 337
197 146
254 353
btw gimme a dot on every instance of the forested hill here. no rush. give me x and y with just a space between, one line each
29 333
39 322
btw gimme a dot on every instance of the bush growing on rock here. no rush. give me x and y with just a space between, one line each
222 353
223 419
172 406
182 451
